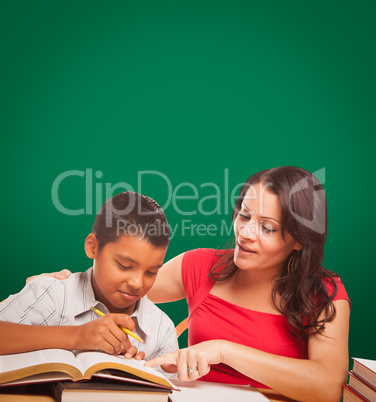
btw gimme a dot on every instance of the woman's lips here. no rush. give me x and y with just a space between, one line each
245 251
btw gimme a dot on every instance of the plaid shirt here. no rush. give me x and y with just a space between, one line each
49 301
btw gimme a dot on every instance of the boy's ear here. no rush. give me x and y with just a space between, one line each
91 246
297 247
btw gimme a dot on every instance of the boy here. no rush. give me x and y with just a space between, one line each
128 244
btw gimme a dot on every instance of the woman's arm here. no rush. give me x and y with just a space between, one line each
168 285
318 378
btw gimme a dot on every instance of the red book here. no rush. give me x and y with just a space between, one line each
350 395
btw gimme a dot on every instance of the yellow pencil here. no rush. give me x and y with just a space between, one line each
126 330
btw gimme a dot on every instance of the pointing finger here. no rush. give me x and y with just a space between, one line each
165 359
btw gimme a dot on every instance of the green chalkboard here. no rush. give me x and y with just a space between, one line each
184 98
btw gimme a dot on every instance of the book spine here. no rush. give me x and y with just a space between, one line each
353 392
361 380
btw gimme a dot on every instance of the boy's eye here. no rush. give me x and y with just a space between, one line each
151 273
123 266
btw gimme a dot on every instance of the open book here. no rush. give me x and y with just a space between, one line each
216 392
57 364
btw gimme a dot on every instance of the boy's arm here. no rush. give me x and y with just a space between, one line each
31 320
101 334
18 338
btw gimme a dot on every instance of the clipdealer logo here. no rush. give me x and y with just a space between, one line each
186 199
220 200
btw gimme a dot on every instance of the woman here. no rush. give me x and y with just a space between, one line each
266 312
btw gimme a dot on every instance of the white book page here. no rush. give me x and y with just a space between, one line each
371 364
215 392
29 359
40 378
88 359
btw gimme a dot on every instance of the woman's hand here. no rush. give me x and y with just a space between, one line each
190 363
104 334
63 274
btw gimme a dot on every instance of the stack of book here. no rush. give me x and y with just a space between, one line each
52 375
86 376
362 382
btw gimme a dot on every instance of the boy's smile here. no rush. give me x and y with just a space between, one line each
123 271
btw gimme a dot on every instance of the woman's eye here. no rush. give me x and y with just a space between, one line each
244 217
267 230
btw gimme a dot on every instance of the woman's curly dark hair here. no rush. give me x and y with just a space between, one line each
303 290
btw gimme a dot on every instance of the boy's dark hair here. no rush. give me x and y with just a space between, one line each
131 214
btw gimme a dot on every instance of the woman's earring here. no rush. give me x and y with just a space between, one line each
293 263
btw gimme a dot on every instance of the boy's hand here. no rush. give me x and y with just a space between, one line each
63 274
104 334
132 352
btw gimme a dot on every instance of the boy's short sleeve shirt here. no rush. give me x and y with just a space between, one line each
49 301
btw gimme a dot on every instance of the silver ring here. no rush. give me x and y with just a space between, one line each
192 370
